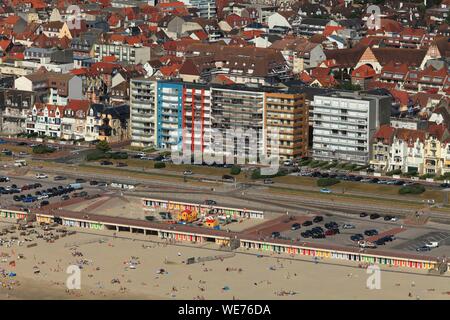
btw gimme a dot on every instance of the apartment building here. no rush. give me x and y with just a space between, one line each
286 115
15 105
55 88
132 54
238 107
143 112
169 110
196 117
344 124
205 8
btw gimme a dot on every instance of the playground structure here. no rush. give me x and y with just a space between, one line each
211 222
187 216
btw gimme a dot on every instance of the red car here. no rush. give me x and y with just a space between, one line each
331 232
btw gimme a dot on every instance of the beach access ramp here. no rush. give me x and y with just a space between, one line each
210 258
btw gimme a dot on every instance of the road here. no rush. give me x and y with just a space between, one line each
254 195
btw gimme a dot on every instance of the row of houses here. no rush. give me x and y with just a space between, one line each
79 120
425 151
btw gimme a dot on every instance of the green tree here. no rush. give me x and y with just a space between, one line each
103 146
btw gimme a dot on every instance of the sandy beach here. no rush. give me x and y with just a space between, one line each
133 266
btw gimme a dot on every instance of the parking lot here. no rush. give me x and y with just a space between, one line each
343 237
404 238
25 187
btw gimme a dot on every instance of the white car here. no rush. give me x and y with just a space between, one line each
43 196
366 244
394 219
41 176
187 172
288 163
348 226
432 244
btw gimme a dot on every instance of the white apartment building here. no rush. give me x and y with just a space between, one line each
133 54
142 107
344 123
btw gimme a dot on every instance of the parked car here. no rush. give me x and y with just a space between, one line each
331 225
268 181
331 232
80 180
432 244
275 234
121 164
348 226
187 172
318 236
44 203
374 216
65 197
307 223
59 178
210 202
306 234
363 215
366 244
41 176
106 163
318 219
296 226
325 190
227 177
423 248
93 183
371 232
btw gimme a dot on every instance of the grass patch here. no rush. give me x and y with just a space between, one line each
326 182
412 189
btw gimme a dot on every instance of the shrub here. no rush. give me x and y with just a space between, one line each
412 189
159 165
304 162
235 170
103 146
391 173
326 182
96 155
119 155
256 174
427 175
41 149
350 166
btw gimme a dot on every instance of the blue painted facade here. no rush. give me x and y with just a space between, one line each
169 114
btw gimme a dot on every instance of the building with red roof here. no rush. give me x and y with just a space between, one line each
362 76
